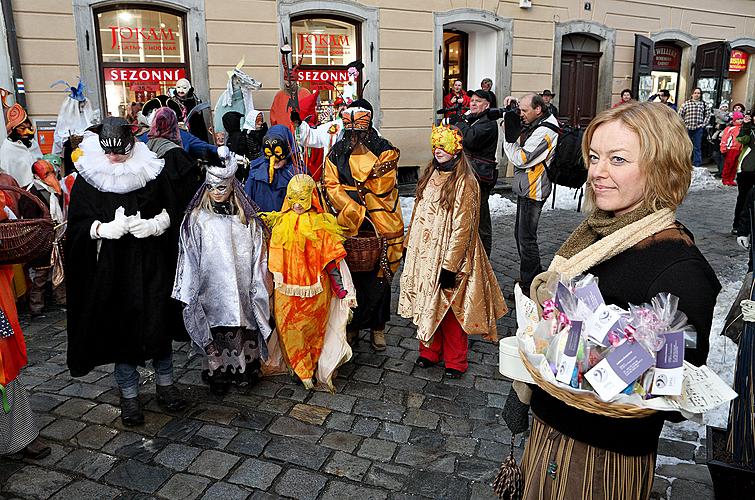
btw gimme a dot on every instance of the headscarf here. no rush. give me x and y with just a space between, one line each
165 126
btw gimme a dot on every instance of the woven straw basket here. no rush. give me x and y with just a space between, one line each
585 402
23 240
363 250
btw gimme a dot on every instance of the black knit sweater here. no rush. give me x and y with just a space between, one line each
666 262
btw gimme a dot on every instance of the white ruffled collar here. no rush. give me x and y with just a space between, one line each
121 178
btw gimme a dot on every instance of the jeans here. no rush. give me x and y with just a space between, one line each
525 232
486 227
696 136
127 376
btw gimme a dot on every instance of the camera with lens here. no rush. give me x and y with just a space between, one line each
496 113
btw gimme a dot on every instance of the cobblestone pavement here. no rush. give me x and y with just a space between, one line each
393 430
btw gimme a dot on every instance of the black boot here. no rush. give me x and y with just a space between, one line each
131 412
169 398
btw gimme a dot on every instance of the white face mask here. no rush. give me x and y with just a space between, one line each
182 87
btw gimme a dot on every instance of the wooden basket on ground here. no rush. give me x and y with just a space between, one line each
363 251
585 402
23 240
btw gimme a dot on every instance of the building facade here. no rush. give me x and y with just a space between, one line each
585 51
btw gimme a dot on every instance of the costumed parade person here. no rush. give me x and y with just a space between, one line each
183 99
632 243
120 265
270 173
313 287
20 149
448 288
360 182
222 278
76 115
237 96
246 143
18 429
49 267
165 141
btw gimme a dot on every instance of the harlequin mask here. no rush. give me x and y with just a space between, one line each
116 135
45 172
356 118
446 138
275 149
299 190
183 86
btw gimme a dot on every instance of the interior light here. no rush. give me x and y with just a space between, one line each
125 16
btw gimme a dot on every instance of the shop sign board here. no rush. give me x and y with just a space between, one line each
322 78
134 38
144 74
738 60
667 58
322 44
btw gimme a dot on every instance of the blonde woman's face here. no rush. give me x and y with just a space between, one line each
614 172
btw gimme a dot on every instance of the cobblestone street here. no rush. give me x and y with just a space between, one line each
393 430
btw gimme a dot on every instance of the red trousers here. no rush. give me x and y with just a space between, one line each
449 344
730 166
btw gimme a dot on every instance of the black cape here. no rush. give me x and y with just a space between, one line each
119 305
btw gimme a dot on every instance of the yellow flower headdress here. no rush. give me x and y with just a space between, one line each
446 138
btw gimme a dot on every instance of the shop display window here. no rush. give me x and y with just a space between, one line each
142 54
322 47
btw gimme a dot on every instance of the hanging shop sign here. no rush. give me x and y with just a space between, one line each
667 58
322 79
738 60
144 74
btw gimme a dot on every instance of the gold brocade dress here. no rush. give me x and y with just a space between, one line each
439 238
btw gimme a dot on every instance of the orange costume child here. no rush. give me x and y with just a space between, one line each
313 288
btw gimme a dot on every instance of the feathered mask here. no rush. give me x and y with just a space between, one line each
446 138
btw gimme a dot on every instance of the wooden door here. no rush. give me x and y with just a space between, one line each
644 51
577 100
711 68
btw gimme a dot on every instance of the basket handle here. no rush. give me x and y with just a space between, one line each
24 192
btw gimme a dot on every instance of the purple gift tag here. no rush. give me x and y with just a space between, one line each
622 366
590 295
669 366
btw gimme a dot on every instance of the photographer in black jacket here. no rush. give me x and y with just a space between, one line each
480 140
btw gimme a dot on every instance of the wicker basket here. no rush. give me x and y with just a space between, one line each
363 251
585 402
23 240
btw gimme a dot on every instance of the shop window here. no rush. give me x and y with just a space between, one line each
322 47
142 54
667 61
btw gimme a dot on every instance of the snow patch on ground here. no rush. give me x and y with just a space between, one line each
566 199
407 205
500 205
721 359
702 180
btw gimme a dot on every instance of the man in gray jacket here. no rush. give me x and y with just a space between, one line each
531 153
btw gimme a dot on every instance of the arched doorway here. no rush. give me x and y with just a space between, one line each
479 37
577 96
664 61
586 49
743 81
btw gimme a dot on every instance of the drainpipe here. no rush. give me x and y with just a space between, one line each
15 58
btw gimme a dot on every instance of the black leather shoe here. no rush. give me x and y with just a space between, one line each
131 412
169 397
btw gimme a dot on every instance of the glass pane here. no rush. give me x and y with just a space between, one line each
665 80
124 86
323 42
710 92
645 87
139 35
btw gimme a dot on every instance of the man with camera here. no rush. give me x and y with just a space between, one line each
480 134
456 102
530 146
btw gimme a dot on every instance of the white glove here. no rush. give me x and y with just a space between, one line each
144 228
110 230
744 242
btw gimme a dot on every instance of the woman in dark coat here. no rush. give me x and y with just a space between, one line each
635 247
120 264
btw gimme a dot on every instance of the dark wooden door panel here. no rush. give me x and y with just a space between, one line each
579 87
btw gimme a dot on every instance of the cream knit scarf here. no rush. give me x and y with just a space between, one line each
597 239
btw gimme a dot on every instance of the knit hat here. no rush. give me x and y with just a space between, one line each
737 115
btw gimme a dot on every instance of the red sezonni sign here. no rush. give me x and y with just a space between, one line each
144 74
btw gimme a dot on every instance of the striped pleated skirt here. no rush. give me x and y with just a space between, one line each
557 467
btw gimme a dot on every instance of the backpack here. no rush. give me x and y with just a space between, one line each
568 166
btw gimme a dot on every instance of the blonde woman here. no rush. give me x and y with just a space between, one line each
632 242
